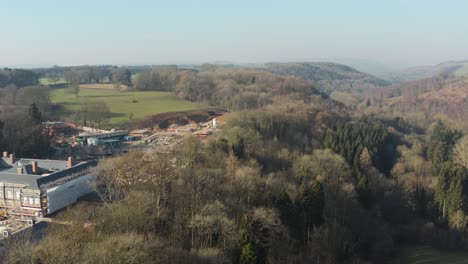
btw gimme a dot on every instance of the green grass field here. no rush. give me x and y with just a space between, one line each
121 103
428 255
46 81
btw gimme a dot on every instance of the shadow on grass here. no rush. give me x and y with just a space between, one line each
58 86
59 112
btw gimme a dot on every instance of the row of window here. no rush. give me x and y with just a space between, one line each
16 195
31 201
12 195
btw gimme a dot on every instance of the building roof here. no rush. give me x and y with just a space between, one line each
50 165
30 181
48 171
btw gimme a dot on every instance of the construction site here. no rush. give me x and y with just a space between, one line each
32 189
86 143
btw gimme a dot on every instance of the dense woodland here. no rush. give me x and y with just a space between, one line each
22 112
292 177
229 88
17 77
440 97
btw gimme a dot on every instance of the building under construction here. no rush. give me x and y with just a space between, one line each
36 187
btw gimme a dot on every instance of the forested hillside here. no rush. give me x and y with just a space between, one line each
330 77
423 101
458 68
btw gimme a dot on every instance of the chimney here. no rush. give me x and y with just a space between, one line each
19 170
5 154
12 159
34 167
69 162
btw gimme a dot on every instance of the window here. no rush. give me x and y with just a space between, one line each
25 200
9 194
36 201
17 195
31 200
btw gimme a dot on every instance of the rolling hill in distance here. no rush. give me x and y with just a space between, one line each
458 68
328 76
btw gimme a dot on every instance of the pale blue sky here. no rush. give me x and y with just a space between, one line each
66 32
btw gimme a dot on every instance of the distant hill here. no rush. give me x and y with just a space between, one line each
379 69
457 68
440 96
329 77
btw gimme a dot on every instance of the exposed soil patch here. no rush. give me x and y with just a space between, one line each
164 120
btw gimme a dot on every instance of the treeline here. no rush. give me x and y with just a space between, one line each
71 75
229 88
17 77
86 74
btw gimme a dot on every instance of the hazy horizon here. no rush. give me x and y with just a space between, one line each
393 34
